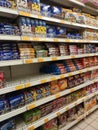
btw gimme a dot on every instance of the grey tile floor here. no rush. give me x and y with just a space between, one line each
90 123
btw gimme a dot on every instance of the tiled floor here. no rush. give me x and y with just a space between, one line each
90 123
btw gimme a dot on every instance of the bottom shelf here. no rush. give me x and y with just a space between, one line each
67 127
79 119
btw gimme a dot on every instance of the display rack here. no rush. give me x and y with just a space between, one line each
50 98
32 79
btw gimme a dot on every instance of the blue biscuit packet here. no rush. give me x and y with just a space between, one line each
56 12
8 4
51 31
8 125
54 69
3 3
67 67
16 101
5 44
36 1
39 96
6 58
2 31
28 97
6 51
60 32
68 35
5 47
46 10
47 94
76 66
15 56
23 26
4 106
78 36
73 36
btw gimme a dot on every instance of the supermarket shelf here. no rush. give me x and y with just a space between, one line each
53 115
25 127
28 38
27 82
37 39
55 20
73 123
11 12
11 63
12 113
10 38
79 119
8 12
60 94
47 99
75 3
45 59
11 88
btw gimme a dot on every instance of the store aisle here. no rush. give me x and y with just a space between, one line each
90 123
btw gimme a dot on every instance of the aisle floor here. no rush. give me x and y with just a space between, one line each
90 123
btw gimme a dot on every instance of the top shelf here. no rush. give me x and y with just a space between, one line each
7 12
14 13
76 3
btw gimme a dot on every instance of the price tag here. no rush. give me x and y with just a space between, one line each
88 54
62 21
81 40
56 40
82 100
67 108
36 39
40 60
88 41
31 106
46 120
25 14
72 90
28 61
75 104
73 56
25 38
62 76
27 85
58 113
78 40
70 74
31 128
43 81
67 40
53 78
79 119
54 58
95 80
57 95
19 87
40 17
87 69
80 71
87 97
94 94
89 112
22 13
